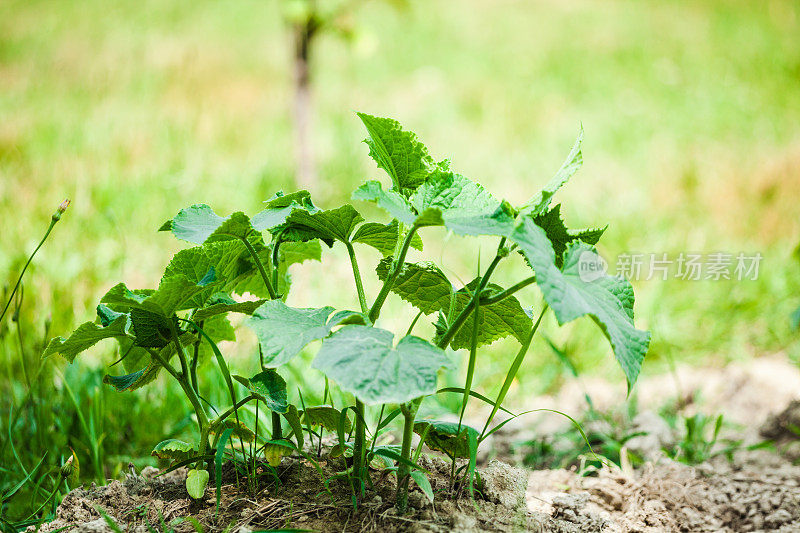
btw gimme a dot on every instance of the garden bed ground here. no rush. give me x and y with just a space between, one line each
758 491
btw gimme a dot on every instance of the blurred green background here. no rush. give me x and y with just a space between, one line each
134 110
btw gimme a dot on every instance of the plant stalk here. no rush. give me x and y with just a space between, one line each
362 299
502 295
444 342
359 446
261 269
397 266
277 430
409 411
55 218
512 372
184 381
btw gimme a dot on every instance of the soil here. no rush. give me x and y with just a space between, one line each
758 491
300 501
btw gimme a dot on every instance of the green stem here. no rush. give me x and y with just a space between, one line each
277 429
50 497
261 268
444 342
359 446
413 323
362 299
221 418
375 435
409 411
502 295
397 266
275 258
195 360
512 372
473 356
155 354
53 221
183 380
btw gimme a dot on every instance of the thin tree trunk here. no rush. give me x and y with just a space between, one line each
304 154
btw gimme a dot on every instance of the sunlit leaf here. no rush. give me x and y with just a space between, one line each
398 152
363 361
383 237
607 299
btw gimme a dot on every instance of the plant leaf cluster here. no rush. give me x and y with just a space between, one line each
240 264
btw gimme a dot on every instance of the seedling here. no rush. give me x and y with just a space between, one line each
378 368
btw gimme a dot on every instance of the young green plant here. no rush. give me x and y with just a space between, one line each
363 359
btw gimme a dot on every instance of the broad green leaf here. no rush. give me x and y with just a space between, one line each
498 320
106 315
291 253
345 318
174 293
229 260
237 226
152 330
398 152
227 305
426 287
196 482
363 361
134 380
383 237
607 299
174 450
301 198
234 267
199 224
389 200
270 387
281 206
284 331
422 284
538 204
121 297
461 205
325 416
331 225
87 335
445 199
446 436
194 224
553 225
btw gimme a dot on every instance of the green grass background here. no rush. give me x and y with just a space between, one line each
134 110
